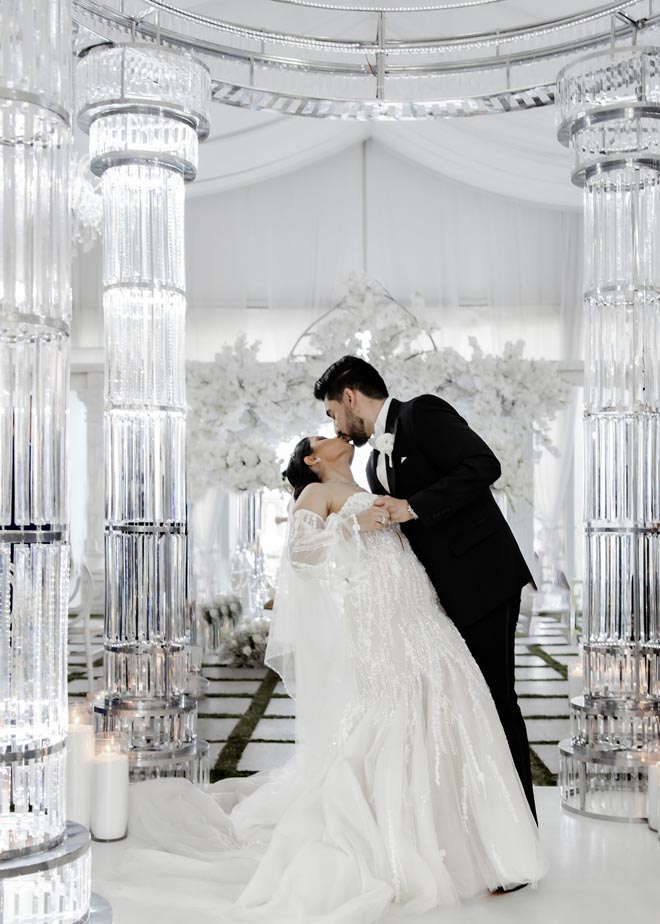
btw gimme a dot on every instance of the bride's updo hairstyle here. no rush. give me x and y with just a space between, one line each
298 472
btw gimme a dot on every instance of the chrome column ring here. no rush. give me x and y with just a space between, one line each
74 844
38 100
30 753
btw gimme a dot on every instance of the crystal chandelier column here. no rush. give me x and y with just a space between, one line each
144 108
610 119
44 863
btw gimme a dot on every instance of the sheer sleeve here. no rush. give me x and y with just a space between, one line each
309 642
321 548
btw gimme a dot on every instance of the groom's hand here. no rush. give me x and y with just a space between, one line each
397 508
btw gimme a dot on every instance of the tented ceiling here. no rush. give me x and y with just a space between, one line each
514 154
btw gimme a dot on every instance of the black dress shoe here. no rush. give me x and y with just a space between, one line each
514 888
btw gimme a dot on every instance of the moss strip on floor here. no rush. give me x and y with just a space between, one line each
541 776
549 660
230 755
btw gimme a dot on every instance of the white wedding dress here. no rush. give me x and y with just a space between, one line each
402 796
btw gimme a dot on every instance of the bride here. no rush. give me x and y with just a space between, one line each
402 795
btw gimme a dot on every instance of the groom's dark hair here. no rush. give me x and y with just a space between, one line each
350 372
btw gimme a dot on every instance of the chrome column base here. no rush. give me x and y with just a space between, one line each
603 766
608 784
53 885
163 736
190 763
150 724
100 910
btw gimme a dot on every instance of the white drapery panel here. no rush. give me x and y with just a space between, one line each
271 257
485 265
284 244
557 482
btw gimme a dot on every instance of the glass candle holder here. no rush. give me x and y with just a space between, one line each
575 679
79 757
109 813
653 790
80 713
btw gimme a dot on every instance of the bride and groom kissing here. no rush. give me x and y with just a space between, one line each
410 788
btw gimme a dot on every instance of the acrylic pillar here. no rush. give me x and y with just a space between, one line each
44 863
610 120
145 109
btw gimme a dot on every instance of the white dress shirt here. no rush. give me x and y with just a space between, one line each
379 429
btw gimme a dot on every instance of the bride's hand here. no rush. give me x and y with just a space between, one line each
373 518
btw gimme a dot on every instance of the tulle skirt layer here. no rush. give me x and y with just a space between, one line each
417 807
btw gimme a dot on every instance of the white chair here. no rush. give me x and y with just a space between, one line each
80 605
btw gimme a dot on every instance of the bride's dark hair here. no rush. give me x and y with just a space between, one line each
297 471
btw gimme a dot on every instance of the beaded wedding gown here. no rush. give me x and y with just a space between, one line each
402 796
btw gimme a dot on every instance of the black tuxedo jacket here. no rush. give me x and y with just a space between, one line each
444 471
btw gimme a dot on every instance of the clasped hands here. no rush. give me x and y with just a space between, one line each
396 507
385 510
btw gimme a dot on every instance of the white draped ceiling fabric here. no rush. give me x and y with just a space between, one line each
516 154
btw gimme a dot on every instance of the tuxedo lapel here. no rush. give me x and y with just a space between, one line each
372 476
392 415
391 427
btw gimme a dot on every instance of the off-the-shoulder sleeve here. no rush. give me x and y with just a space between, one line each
317 545
309 641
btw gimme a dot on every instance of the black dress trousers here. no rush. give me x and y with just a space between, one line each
491 643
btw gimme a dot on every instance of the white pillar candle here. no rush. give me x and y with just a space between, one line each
109 820
79 757
575 680
653 796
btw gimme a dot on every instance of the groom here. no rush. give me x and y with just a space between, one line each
434 474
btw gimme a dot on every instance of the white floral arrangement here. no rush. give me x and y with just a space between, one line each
509 400
238 395
241 410
367 322
245 465
245 644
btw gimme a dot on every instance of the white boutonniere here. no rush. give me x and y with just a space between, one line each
385 444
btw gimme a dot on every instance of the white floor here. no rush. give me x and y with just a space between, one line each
599 873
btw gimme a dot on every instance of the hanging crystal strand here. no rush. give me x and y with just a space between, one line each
144 108
44 863
610 118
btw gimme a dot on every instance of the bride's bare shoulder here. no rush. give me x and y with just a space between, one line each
315 497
